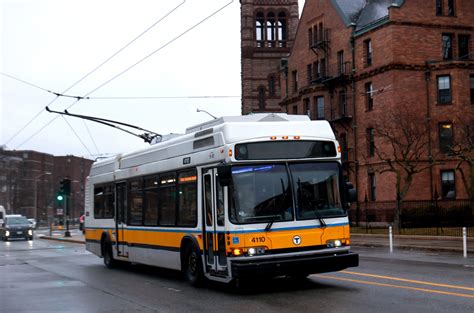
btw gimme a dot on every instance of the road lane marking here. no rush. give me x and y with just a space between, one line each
399 287
420 282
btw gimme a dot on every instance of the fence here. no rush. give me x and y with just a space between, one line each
444 218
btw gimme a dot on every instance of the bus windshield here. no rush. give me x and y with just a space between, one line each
265 193
260 193
316 190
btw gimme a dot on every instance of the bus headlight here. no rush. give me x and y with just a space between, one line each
257 250
334 243
7 233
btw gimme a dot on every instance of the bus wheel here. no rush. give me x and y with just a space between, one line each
109 261
193 267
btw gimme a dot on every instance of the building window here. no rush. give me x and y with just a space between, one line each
295 109
315 34
368 52
306 106
271 85
321 33
448 186
445 136
451 9
316 70
322 67
471 78
439 7
271 31
309 73
344 148
281 29
320 108
369 97
372 187
371 141
294 75
463 45
261 98
444 89
310 37
340 62
343 103
259 28
447 46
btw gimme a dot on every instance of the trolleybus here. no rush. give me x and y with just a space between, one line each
232 198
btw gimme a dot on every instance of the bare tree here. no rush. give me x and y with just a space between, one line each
403 149
462 150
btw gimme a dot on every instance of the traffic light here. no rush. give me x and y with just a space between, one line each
59 197
65 187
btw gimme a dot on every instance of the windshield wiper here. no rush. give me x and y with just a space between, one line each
320 219
269 225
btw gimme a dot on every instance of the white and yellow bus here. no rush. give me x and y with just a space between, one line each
233 198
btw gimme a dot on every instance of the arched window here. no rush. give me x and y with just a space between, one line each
261 98
259 29
281 30
271 34
271 30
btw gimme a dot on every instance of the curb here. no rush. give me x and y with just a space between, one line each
63 239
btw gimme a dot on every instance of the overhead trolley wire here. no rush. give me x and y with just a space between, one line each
84 77
135 64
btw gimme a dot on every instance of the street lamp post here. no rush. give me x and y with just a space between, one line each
36 193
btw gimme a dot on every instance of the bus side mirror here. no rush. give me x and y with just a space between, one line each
224 174
351 192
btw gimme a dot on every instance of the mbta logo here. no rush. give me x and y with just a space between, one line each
297 240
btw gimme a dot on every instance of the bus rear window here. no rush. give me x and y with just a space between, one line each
275 150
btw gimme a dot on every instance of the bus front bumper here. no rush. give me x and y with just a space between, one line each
293 265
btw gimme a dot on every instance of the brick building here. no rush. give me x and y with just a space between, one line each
268 28
381 67
29 181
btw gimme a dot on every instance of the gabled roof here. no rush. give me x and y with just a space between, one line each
364 13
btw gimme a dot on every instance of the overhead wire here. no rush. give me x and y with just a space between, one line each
88 74
133 65
80 140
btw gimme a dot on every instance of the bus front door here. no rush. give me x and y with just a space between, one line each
214 222
121 219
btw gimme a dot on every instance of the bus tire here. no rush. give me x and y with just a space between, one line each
192 269
107 254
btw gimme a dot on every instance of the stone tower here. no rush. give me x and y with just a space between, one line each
268 29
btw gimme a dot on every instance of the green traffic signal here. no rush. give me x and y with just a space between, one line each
59 197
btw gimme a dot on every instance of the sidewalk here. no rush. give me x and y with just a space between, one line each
400 242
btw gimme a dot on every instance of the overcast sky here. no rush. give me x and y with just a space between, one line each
52 44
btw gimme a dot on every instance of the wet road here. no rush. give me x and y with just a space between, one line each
51 276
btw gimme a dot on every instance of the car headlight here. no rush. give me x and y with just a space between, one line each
30 232
7 233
